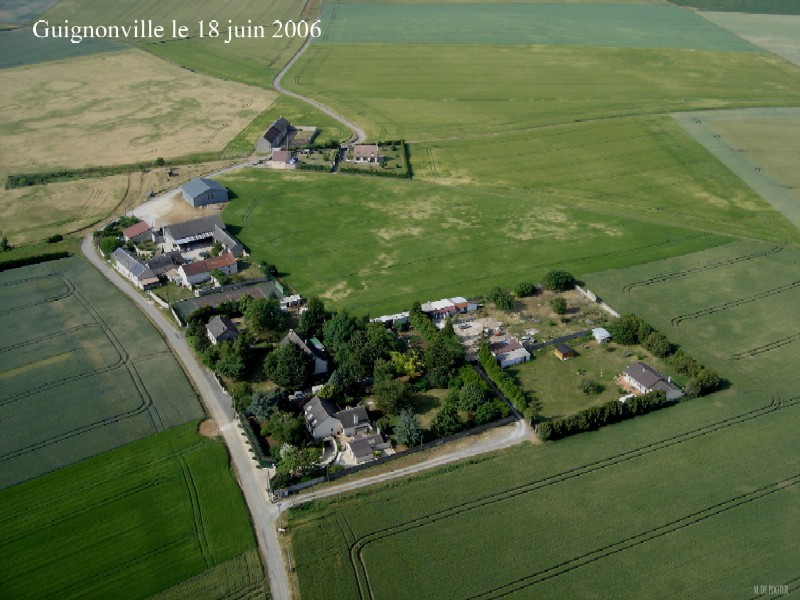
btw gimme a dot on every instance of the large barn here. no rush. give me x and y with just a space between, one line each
202 191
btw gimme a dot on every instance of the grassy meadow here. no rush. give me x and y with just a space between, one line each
83 372
380 244
128 523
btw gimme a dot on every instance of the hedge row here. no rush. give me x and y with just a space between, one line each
312 167
595 417
504 382
255 446
375 172
15 263
420 321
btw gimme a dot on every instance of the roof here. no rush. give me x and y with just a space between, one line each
649 378
281 155
226 239
206 266
201 185
220 325
564 349
187 229
360 447
277 130
514 354
365 150
134 267
307 347
135 230
353 416
317 410
165 261
504 346
601 333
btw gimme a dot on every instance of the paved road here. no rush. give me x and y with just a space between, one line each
218 405
487 442
563 338
356 131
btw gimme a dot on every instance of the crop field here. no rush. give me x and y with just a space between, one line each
779 34
23 11
379 245
610 25
131 522
705 482
456 91
251 61
772 7
762 146
83 373
20 47
137 107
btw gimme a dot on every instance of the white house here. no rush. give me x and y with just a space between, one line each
365 153
221 329
197 272
362 448
321 418
130 268
354 420
641 378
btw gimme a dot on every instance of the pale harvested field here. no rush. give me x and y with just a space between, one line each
117 108
779 34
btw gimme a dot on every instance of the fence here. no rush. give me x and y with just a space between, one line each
593 297
158 300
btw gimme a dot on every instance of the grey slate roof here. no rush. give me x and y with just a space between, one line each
227 240
201 185
277 131
360 447
317 410
127 260
204 226
221 327
161 263
308 348
649 378
350 417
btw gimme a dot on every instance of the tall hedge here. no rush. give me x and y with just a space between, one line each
32 260
505 383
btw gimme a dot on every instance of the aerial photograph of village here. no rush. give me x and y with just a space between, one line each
399 300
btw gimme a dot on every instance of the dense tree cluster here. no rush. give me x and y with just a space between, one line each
503 299
525 289
559 281
505 383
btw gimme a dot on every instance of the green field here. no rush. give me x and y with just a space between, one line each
772 7
454 91
83 372
20 47
252 61
379 244
609 25
23 11
695 501
128 523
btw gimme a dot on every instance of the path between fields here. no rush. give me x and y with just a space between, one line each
356 131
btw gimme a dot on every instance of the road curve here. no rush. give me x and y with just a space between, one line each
252 481
355 131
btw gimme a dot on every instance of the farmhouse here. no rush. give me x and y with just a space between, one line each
137 233
202 191
361 449
353 420
321 418
365 153
132 269
179 236
275 137
601 335
509 352
641 378
221 329
563 352
200 271
162 264
312 347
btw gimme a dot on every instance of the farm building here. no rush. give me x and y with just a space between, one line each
276 136
202 191
221 329
563 352
321 418
361 448
137 233
392 320
268 289
509 352
281 159
132 269
447 307
312 347
365 153
163 263
197 272
601 335
228 242
641 378
353 420
185 233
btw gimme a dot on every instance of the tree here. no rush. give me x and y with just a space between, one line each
525 289
625 330
488 412
297 461
264 404
339 329
408 430
559 306
290 367
110 243
313 318
447 421
384 370
160 162
705 382
559 281
657 343
54 238
502 299
5 246
590 387
230 362
264 315
242 394
219 276
216 248
392 396
287 428
344 381
407 364
471 396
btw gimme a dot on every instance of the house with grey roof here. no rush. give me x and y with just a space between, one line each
640 378
313 347
202 191
276 136
321 420
228 242
363 448
162 263
130 268
354 420
221 329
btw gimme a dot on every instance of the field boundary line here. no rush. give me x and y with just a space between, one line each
356 550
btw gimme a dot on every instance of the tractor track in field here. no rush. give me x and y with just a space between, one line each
44 338
356 557
769 347
69 292
197 513
707 267
707 312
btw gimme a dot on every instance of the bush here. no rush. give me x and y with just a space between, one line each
559 306
53 239
525 289
657 343
502 299
590 387
559 281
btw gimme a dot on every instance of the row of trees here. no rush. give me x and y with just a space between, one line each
505 383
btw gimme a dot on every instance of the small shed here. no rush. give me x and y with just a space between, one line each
563 352
601 335
203 191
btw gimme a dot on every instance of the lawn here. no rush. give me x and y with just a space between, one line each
128 523
705 483
380 244
442 91
83 372
556 24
